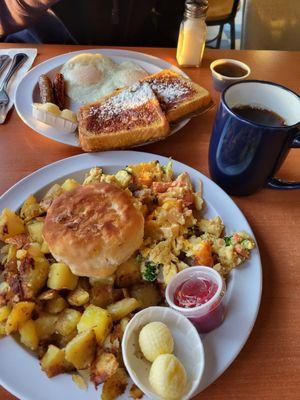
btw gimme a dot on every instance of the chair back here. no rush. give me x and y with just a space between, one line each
271 25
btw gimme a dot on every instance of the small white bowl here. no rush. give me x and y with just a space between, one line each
220 81
62 124
187 347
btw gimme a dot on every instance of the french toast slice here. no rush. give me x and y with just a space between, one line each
178 96
124 118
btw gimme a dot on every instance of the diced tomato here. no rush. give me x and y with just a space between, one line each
161 187
240 250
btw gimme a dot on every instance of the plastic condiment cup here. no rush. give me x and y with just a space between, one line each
209 315
221 81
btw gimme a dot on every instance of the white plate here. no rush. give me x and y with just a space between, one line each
28 93
20 372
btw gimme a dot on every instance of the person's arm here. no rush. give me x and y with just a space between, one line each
16 15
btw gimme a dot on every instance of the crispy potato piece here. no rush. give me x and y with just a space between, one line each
67 321
123 178
69 184
28 335
135 392
102 281
62 341
20 313
30 209
78 297
45 325
2 329
80 382
18 241
93 176
128 273
104 366
4 313
55 305
48 295
4 292
27 275
35 229
147 293
10 224
104 295
36 277
122 308
123 323
98 319
115 385
54 362
51 194
61 277
80 351
45 248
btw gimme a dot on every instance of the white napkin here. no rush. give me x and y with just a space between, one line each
18 75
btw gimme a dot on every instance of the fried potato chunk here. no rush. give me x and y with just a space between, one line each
104 366
80 351
115 385
20 313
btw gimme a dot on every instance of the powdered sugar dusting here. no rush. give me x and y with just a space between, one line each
170 90
133 97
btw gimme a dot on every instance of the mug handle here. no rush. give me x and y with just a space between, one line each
276 183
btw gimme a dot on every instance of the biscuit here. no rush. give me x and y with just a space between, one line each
93 229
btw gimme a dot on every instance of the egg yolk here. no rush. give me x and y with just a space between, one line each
85 74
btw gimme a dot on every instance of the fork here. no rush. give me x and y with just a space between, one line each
17 61
4 61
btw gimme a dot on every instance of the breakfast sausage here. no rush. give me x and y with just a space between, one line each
46 91
59 90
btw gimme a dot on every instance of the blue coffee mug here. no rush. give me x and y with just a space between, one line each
244 156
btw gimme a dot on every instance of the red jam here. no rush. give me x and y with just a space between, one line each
194 292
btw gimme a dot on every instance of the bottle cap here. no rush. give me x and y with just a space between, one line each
195 8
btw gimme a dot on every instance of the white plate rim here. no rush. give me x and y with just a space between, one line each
23 94
67 166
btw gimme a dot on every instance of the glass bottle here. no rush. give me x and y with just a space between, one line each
192 34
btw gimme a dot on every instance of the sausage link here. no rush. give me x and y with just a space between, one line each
46 91
59 90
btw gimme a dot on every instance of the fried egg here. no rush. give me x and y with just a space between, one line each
90 76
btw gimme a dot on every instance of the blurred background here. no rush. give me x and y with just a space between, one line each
245 24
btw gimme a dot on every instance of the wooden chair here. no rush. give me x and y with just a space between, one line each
221 12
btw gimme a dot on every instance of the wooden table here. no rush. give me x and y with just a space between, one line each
268 367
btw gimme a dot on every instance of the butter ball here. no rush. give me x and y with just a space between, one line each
168 377
155 338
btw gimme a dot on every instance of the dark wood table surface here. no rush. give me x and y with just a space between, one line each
268 367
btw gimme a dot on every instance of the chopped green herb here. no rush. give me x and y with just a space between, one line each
227 240
151 271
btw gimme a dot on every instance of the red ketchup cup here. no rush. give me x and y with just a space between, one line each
198 293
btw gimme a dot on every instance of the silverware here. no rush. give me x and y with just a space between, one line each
4 61
17 61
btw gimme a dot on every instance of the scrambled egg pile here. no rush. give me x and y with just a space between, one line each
176 236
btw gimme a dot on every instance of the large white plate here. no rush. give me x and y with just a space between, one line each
27 91
20 372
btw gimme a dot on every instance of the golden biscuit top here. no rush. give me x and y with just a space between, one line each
88 212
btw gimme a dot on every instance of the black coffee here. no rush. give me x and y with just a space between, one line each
259 115
231 70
